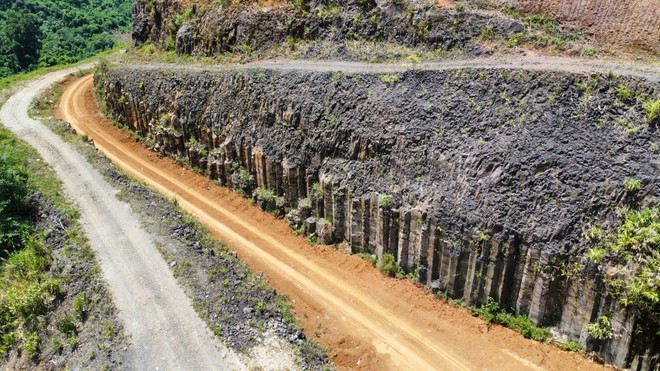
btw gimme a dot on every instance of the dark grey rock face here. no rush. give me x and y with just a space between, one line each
482 181
224 29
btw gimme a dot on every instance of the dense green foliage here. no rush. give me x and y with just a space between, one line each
40 33
14 224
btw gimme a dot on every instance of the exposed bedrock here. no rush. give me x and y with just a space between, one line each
207 28
480 181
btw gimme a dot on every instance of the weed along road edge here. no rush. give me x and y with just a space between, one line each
165 332
364 319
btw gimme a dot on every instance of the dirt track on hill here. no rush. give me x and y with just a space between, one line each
164 330
365 319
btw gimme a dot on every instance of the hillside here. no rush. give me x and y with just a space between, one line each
39 33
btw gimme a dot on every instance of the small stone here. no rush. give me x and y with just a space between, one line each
173 264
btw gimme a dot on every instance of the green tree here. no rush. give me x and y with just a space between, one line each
23 34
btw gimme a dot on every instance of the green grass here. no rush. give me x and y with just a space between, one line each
571 346
652 109
26 288
491 312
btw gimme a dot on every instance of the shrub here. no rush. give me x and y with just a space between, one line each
459 6
388 265
601 329
265 193
13 191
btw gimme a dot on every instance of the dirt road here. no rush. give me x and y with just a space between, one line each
513 61
165 332
365 319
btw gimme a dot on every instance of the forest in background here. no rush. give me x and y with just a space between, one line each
41 33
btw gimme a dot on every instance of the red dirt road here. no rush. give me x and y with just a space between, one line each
364 319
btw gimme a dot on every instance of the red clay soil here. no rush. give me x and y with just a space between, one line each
364 319
627 23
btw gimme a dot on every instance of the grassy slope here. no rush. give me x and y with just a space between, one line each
54 306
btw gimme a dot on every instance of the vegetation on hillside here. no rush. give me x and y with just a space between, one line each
53 303
40 33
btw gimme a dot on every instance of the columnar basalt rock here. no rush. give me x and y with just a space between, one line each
481 182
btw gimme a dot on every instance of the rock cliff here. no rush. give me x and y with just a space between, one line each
482 183
346 29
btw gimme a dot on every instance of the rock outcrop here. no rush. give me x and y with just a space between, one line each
482 182
334 29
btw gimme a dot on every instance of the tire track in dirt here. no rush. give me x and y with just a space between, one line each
365 319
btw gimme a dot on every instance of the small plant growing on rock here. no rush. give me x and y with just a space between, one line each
459 6
601 329
80 306
265 193
594 234
652 109
623 93
384 200
317 191
596 254
632 184
389 79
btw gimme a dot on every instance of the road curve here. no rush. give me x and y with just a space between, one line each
405 328
165 332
